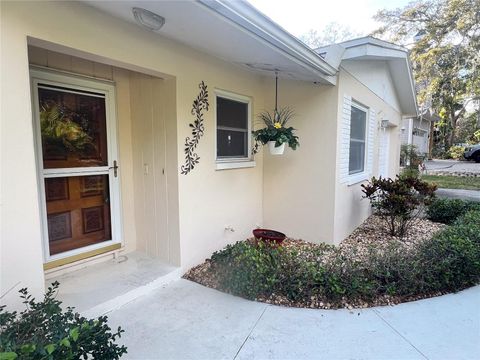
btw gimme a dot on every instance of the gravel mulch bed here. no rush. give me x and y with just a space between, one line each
357 245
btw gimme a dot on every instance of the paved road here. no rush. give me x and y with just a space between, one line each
184 320
452 166
459 194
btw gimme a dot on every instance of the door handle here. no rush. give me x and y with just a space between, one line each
115 168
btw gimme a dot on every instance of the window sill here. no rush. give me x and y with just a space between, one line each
235 165
357 178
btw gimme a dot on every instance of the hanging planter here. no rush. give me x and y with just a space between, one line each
276 133
274 149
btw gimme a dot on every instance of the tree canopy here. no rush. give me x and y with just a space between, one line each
444 39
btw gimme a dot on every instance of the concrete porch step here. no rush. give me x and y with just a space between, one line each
98 289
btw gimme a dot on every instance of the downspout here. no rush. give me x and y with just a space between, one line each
410 131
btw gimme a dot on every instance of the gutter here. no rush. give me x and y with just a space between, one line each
250 19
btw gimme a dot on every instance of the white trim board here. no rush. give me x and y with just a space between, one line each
87 85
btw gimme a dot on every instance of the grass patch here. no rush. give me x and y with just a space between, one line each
453 182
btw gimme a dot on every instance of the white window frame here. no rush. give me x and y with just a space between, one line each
40 75
235 162
362 175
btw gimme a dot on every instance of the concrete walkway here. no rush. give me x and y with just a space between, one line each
459 194
184 320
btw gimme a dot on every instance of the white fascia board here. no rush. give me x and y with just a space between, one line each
246 16
373 51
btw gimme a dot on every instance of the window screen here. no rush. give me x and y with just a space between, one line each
358 128
232 129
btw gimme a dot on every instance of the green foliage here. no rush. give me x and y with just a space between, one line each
44 331
444 54
449 261
448 210
398 202
276 129
57 126
409 156
258 267
468 129
456 152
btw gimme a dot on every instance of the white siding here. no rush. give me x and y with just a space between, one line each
345 139
371 141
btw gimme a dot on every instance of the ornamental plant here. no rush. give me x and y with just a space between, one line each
44 331
276 129
398 202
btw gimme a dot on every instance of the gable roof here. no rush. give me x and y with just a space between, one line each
373 49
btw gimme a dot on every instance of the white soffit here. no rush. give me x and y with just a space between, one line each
372 49
233 31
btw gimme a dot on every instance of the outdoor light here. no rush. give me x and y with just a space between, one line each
384 124
148 19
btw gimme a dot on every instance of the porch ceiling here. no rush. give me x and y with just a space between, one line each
233 31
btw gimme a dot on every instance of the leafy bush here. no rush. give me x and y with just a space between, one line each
398 202
449 261
410 157
44 331
448 210
456 152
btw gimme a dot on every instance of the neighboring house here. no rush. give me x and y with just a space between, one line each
112 176
418 131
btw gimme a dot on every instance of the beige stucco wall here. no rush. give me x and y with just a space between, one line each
207 200
298 186
350 209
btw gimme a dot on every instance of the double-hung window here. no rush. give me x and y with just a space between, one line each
358 139
233 129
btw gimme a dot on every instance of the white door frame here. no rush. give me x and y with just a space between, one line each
106 89
384 153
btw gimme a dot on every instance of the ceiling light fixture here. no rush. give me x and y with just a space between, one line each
148 19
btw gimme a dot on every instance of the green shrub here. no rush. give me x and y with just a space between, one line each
456 152
44 331
410 157
248 270
449 261
410 173
398 202
448 210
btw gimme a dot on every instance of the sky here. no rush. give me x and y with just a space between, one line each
300 16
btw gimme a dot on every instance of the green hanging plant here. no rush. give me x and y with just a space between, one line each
276 129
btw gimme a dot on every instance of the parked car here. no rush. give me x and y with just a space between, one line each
472 153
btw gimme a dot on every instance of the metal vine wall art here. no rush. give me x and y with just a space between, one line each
199 104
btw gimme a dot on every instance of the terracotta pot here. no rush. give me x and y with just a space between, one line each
276 150
269 235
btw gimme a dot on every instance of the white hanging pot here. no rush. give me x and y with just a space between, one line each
276 150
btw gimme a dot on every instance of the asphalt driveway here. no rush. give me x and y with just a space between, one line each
453 166
184 320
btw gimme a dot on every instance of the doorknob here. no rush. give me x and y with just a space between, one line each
115 168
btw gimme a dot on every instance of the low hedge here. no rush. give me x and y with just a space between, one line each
446 211
449 261
43 330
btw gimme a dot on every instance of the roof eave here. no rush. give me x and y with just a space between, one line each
249 18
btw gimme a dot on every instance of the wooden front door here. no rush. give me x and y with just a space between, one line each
78 168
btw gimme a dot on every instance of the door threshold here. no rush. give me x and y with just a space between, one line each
74 258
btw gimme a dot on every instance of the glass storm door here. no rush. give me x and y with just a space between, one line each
78 169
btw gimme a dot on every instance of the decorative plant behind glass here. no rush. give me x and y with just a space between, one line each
276 129
57 126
